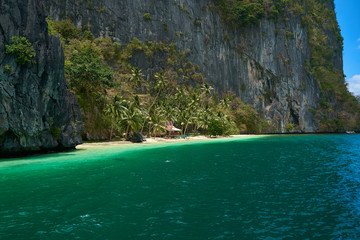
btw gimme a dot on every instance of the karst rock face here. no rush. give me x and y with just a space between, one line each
37 110
263 64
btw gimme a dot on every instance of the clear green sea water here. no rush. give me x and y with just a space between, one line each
278 187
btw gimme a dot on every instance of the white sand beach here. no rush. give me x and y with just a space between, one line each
160 140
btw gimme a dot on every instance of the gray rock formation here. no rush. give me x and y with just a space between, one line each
265 65
37 111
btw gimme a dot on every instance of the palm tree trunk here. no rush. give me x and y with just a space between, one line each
111 130
188 122
127 131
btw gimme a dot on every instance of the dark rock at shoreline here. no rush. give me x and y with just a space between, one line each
37 110
136 138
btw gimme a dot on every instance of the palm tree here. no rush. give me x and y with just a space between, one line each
131 116
191 108
205 117
206 89
225 103
136 77
114 110
160 84
157 118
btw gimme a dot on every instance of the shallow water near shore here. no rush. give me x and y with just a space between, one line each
275 187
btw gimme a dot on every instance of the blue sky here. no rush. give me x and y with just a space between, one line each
349 20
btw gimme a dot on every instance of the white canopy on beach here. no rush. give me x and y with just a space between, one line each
175 129
170 127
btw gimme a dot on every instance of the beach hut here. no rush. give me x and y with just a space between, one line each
171 131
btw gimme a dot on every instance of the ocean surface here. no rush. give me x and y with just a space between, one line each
272 187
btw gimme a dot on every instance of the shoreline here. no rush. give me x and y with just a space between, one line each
162 140
149 142
157 140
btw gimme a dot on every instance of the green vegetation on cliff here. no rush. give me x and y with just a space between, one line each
338 110
241 13
118 97
22 48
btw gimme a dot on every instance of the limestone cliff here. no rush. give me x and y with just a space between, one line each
265 65
37 111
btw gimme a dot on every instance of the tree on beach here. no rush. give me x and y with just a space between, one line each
115 109
156 120
130 116
216 128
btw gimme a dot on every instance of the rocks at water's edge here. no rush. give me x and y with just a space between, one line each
37 110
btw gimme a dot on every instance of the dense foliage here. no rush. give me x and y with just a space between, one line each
22 48
117 97
338 109
241 13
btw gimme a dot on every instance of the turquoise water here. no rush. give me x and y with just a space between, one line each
279 187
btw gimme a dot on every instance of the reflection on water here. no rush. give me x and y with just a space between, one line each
302 187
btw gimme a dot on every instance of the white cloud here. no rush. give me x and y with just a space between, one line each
354 84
